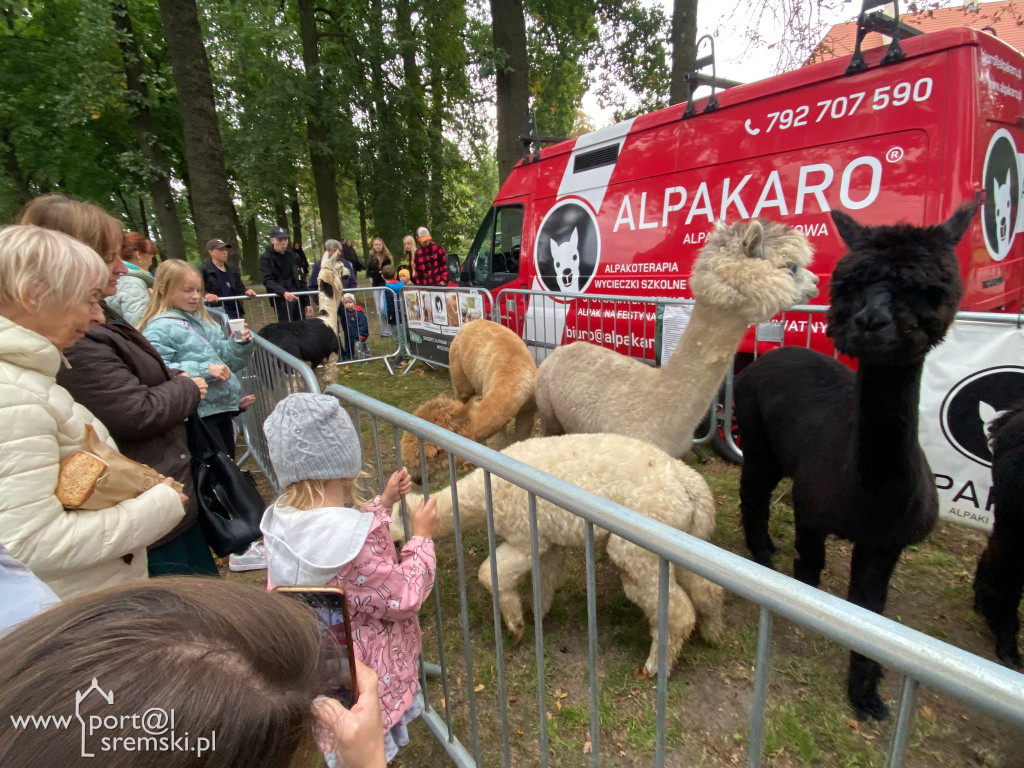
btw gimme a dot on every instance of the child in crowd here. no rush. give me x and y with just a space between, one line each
190 340
395 312
316 535
357 329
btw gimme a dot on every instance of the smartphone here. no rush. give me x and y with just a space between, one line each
331 610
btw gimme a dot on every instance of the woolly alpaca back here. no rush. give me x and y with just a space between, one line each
492 356
754 269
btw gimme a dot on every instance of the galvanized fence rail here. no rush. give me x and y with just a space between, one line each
921 659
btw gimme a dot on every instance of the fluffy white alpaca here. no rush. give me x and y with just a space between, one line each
746 273
621 469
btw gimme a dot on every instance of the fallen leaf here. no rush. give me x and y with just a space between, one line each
479 688
928 712
559 705
853 723
519 731
563 695
587 745
513 699
442 702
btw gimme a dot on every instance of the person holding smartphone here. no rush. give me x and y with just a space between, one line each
319 533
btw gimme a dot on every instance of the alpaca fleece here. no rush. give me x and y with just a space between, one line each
849 442
999 579
621 469
746 273
493 374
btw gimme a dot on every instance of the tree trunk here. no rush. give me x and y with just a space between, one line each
508 28
204 156
172 244
438 220
296 218
280 212
415 111
317 126
144 218
247 242
361 205
684 48
13 168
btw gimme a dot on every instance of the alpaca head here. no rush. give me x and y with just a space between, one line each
331 289
897 290
444 412
754 269
566 258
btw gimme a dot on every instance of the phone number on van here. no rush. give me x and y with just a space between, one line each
844 106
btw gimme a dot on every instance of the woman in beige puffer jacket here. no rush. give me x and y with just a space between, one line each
50 288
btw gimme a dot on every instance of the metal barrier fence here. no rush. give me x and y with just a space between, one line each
990 687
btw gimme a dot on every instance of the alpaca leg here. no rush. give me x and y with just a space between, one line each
550 577
708 599
870 571
639 572
810 550
761 473
524 420
548 420
998 584
512 564
464 391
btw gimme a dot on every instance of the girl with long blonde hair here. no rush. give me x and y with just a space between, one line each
189 339
379 258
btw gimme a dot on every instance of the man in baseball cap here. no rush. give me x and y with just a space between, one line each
222 279
279 271
430 262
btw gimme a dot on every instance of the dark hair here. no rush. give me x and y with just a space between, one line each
224 656
134 242
83 221
388 272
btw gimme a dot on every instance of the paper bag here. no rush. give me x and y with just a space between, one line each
125 479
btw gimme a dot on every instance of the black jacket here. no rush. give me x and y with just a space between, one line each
212 285
373 267
279 271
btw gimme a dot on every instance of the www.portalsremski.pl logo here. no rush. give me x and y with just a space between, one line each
150 731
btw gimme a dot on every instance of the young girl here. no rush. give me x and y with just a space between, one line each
188 339
380 257
315 536
355 327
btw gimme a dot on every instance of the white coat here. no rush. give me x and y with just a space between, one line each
71 551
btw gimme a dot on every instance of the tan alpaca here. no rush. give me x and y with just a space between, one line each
746 273
621 469
493 374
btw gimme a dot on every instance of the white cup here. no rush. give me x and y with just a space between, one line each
236 326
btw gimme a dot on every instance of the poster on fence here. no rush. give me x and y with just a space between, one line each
438 317
976 373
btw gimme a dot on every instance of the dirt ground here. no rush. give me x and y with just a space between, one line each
808 721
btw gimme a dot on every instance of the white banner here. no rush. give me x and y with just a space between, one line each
974 374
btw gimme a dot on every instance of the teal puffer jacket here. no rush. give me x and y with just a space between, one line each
188 344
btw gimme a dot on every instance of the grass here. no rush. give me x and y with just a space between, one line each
808 721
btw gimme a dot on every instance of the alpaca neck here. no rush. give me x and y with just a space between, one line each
472 513
693 374
885 429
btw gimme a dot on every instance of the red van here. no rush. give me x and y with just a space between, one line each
624 211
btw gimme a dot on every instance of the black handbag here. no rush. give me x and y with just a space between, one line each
230 506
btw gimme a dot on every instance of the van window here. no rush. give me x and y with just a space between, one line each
495 251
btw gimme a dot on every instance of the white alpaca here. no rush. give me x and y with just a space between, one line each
1003 206
623 470
746 273
566 257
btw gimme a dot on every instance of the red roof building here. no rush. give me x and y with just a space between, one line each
1004 20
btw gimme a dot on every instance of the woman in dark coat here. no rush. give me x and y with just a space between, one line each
121 379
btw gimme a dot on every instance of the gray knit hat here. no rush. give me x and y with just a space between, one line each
311 437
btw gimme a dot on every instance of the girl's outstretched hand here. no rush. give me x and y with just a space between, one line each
426 519
398 485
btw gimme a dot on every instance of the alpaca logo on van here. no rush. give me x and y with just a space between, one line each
1002 179
973 403
568 247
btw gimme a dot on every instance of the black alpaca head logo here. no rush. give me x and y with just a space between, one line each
1001 177
896 292
568 247
974 403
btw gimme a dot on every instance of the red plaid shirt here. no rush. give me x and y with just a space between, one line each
431 264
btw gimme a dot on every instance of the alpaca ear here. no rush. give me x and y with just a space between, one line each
849 230
753 240
960 221
574 238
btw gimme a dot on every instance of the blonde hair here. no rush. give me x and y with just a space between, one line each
83 221
47 267
170 278
384 250
309 494
409 240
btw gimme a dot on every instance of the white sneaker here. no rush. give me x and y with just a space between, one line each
253 559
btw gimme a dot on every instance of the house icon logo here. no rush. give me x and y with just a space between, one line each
80 696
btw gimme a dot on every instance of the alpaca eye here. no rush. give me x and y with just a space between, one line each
793 269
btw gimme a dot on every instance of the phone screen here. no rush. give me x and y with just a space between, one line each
332 617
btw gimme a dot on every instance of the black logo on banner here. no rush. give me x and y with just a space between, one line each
568 247
1002 194
973 403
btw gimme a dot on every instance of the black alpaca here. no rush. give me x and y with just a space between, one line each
309 340
999 580
849 442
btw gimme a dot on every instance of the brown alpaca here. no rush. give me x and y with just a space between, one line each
493 374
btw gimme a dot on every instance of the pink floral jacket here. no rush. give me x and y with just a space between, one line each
384 597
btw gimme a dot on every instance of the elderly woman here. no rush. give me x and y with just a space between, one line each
135 286
116 374
50 291
333 250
